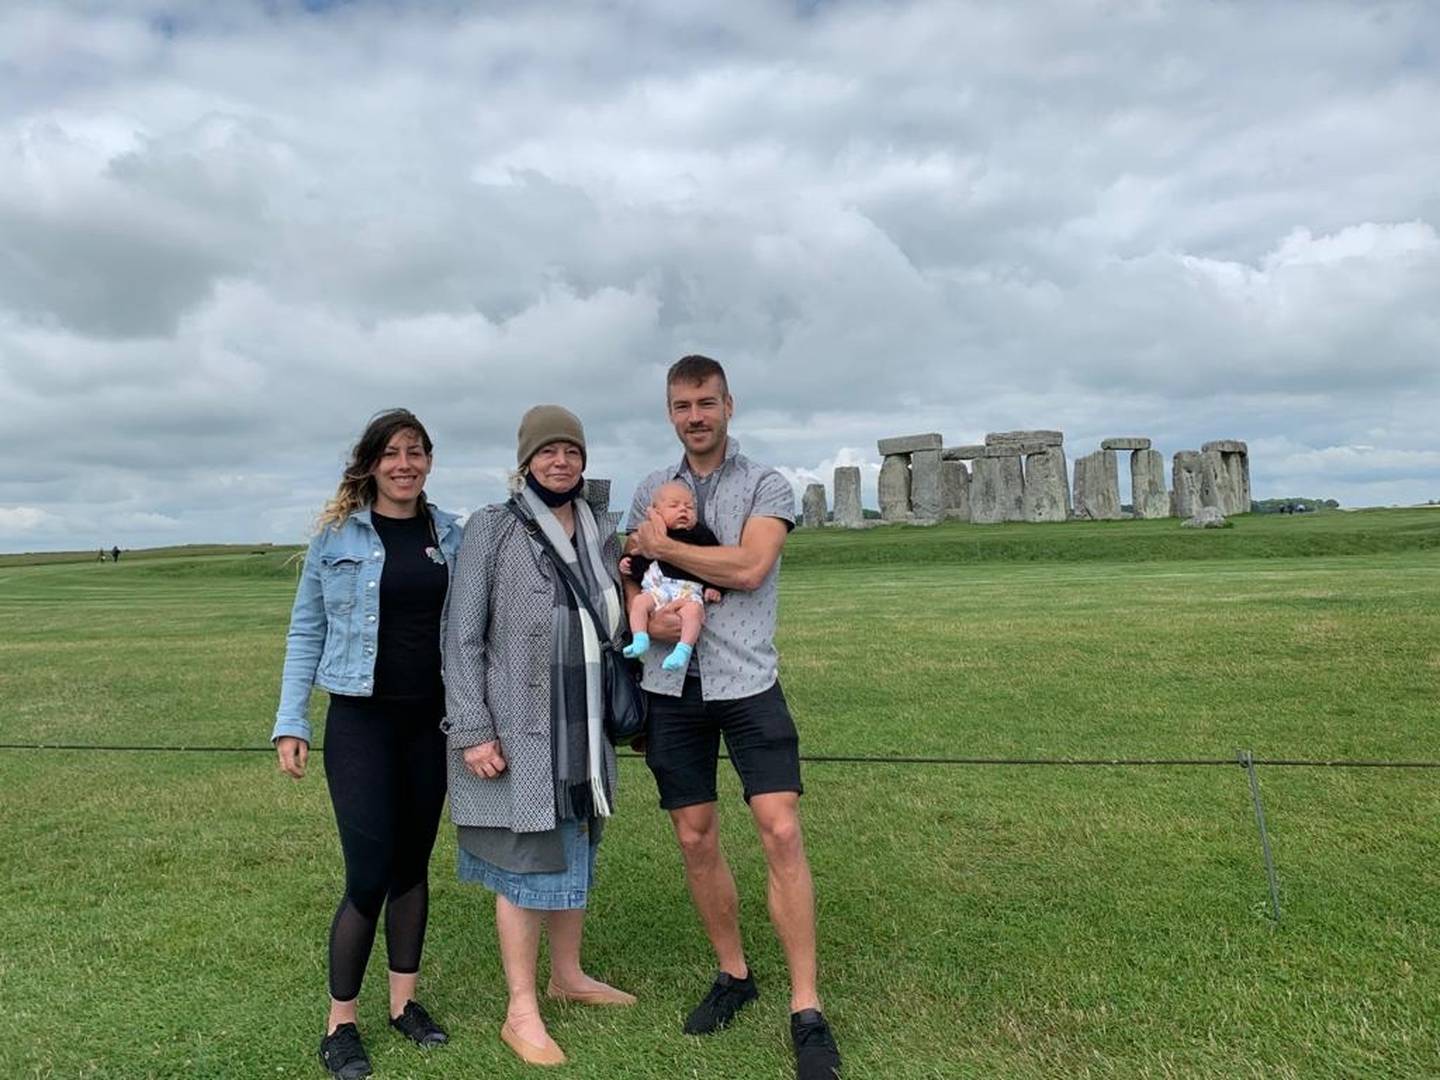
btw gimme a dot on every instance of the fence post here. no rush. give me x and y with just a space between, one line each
1247 759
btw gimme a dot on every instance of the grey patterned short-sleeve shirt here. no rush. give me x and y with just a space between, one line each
736 651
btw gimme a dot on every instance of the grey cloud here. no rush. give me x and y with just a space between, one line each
229 233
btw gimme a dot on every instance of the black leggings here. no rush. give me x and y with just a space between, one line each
385 767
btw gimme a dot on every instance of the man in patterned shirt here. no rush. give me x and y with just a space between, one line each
731 689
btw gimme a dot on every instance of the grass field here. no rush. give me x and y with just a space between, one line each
164 914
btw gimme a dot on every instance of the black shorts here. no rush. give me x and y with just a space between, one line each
683 744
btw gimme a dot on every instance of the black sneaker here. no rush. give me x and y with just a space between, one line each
727 996
343 1054
415 1024
816 1055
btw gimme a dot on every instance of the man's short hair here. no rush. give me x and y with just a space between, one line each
695 369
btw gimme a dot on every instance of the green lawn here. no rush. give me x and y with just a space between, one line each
164 915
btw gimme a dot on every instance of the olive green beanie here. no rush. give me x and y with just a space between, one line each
545 424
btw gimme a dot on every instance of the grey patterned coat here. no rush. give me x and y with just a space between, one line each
497 655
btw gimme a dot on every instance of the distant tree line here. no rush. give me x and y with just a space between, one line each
1292 505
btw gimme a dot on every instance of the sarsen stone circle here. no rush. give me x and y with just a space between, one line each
1022 476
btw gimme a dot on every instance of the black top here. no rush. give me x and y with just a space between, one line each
699 535
413 581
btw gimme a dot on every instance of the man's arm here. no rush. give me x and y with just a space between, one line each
740 566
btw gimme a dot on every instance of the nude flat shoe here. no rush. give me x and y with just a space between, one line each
608 996
528 1052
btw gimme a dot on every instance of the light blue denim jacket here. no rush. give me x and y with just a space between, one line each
335 623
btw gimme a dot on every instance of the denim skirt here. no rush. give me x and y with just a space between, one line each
558 890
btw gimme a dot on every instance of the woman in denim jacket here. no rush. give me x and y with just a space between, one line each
367 626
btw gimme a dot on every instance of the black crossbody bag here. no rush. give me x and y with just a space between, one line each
625 704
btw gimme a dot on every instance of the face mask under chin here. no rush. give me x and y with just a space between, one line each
550 498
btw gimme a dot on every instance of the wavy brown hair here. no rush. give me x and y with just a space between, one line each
357 486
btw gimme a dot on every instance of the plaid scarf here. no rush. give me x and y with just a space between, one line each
577 728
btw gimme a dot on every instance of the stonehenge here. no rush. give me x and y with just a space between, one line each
1148 497
909 487
1023 476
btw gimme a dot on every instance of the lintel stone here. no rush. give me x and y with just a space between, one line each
908 444
963 453
1044 438
1226 446
1024 449
1127 443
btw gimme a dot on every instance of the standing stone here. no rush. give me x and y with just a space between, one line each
1235 455
955 489
1012 469
1097 486
997 489
1238 466
926 502
987 491
895 488
908 444
1047 488
597 494
848 513
1012 476
813 506
1215 487
1147 484
1185 483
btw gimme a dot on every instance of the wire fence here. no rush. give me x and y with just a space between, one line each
1245 759
835 759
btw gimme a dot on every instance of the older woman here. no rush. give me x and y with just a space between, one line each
532 776
366 627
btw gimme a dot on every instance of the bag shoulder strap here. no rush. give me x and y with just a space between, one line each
571 580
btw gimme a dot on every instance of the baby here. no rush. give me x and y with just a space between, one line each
662 583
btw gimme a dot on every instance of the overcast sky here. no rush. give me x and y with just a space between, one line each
229 233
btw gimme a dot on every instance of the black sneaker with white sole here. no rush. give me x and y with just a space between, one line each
343 1054
727 996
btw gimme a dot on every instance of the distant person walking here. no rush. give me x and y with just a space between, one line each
115 554
730 689
366 626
